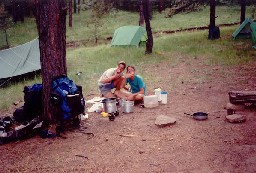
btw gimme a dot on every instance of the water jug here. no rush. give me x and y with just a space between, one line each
158 94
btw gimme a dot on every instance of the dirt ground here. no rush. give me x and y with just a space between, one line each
133 143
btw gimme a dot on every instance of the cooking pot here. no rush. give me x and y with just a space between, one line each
127 106
199 115
109 105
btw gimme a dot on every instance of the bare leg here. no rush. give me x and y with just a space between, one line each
109 95
120 94
139 97
119 83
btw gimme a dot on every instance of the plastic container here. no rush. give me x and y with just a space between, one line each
151 101
164 97
158 93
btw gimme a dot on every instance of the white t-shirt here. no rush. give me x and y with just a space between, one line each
107 74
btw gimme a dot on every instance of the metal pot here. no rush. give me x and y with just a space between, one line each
199 115
109 105
127 106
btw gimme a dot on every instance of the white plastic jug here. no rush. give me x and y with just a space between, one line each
158 94
150 101
164 97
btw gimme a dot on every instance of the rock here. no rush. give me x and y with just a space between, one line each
163 121
235 107
16 102
236 118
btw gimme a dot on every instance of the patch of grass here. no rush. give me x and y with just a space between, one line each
93 61
82 30
221 51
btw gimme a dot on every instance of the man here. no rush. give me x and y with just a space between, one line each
110 79
137 86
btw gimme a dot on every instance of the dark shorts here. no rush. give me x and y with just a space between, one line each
106 88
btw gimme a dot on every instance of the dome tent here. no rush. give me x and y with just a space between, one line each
129 36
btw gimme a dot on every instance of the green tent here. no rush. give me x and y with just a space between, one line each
244 30
19 60
129 36
253 28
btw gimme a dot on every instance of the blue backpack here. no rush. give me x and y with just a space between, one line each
63 86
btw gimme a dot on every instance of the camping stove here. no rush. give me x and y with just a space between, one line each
110 107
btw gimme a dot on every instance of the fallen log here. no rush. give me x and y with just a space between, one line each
238 97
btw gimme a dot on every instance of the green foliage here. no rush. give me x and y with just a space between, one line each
5 22
99 10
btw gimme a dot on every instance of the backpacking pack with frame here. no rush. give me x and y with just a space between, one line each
68 98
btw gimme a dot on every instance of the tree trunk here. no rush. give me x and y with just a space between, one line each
243 9
141 20
70 14
214 32
149 43
79 6
14 15
51 25
160 6
212 13
6 38
74 6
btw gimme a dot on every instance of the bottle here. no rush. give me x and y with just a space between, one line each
158 93
164 97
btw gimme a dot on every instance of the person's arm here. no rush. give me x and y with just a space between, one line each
132 96
126 76
140 92
110 78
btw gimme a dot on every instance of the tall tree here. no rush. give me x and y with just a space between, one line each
51 25
141 19
79 6
214 32
160 6
100 9
243 10
18 10
212 13
70 13
149 43
74 6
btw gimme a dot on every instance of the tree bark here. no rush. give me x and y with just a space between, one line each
141 19
79 6
6 38
212 13
149 43
160 6
51 25
70 14
243 10
214 32
74 6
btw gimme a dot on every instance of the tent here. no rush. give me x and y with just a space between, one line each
129 36
253 28
19 60
244 30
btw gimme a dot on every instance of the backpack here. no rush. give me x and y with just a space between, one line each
68 96
33 99
32 107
